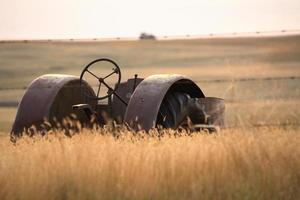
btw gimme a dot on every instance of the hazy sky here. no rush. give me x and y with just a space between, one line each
41 19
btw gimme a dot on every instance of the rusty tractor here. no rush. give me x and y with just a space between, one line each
163 100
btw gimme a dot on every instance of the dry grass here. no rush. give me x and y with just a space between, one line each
234 164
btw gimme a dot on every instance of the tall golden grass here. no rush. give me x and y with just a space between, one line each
252 163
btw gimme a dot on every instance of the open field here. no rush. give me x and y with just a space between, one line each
20 63
257 157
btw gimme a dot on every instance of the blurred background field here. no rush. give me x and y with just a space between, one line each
258 77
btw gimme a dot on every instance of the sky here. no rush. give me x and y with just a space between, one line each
65 19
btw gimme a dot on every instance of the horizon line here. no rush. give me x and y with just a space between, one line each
252 34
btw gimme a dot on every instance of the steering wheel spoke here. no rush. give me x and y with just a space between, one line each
92 74
109 75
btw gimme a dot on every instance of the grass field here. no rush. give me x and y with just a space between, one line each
234 164
257 157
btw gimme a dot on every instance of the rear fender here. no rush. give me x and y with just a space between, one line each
144 104
50 97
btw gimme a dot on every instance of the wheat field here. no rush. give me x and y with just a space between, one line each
233 164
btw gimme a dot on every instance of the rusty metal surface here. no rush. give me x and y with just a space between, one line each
125 90
48 96
143 107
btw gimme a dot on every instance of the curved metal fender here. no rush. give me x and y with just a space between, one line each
47 97
144 104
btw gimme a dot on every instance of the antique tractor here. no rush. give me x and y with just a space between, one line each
163 100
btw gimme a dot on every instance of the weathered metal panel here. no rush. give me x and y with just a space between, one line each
47 97
125 90
143 107
213 108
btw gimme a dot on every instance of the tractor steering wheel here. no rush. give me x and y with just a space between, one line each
101 79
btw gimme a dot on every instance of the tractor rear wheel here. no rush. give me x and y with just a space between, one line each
173 110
